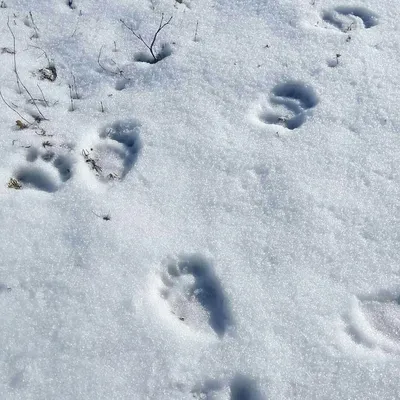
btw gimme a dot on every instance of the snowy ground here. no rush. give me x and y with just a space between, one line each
221 224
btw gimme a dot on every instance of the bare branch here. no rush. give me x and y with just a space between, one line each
44 99
19 82
138 36
159 29
72 108
76 26
14 56
75 87
150 46
36 35
44 53
195 33
33 102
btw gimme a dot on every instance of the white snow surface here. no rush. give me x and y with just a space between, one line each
246 244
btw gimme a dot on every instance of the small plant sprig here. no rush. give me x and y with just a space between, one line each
21 125
35 28
104 217
195 39
91 161
46 143
71 99
14 184
350 27
73 93
112 176
71 4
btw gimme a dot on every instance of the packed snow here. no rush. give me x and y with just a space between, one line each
199 199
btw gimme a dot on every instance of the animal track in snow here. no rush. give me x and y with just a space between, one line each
294 101
374 322
347 18
194 294
240 387
117 150
46 170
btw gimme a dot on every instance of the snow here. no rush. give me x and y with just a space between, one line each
219 224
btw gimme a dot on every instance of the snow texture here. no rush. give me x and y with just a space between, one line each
214 215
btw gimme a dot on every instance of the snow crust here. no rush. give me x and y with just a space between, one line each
220 224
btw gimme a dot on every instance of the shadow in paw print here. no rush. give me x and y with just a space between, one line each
63 165
38 178
240 387
208 291
204 287
340 17
124 141
296 98
44 178
244 388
